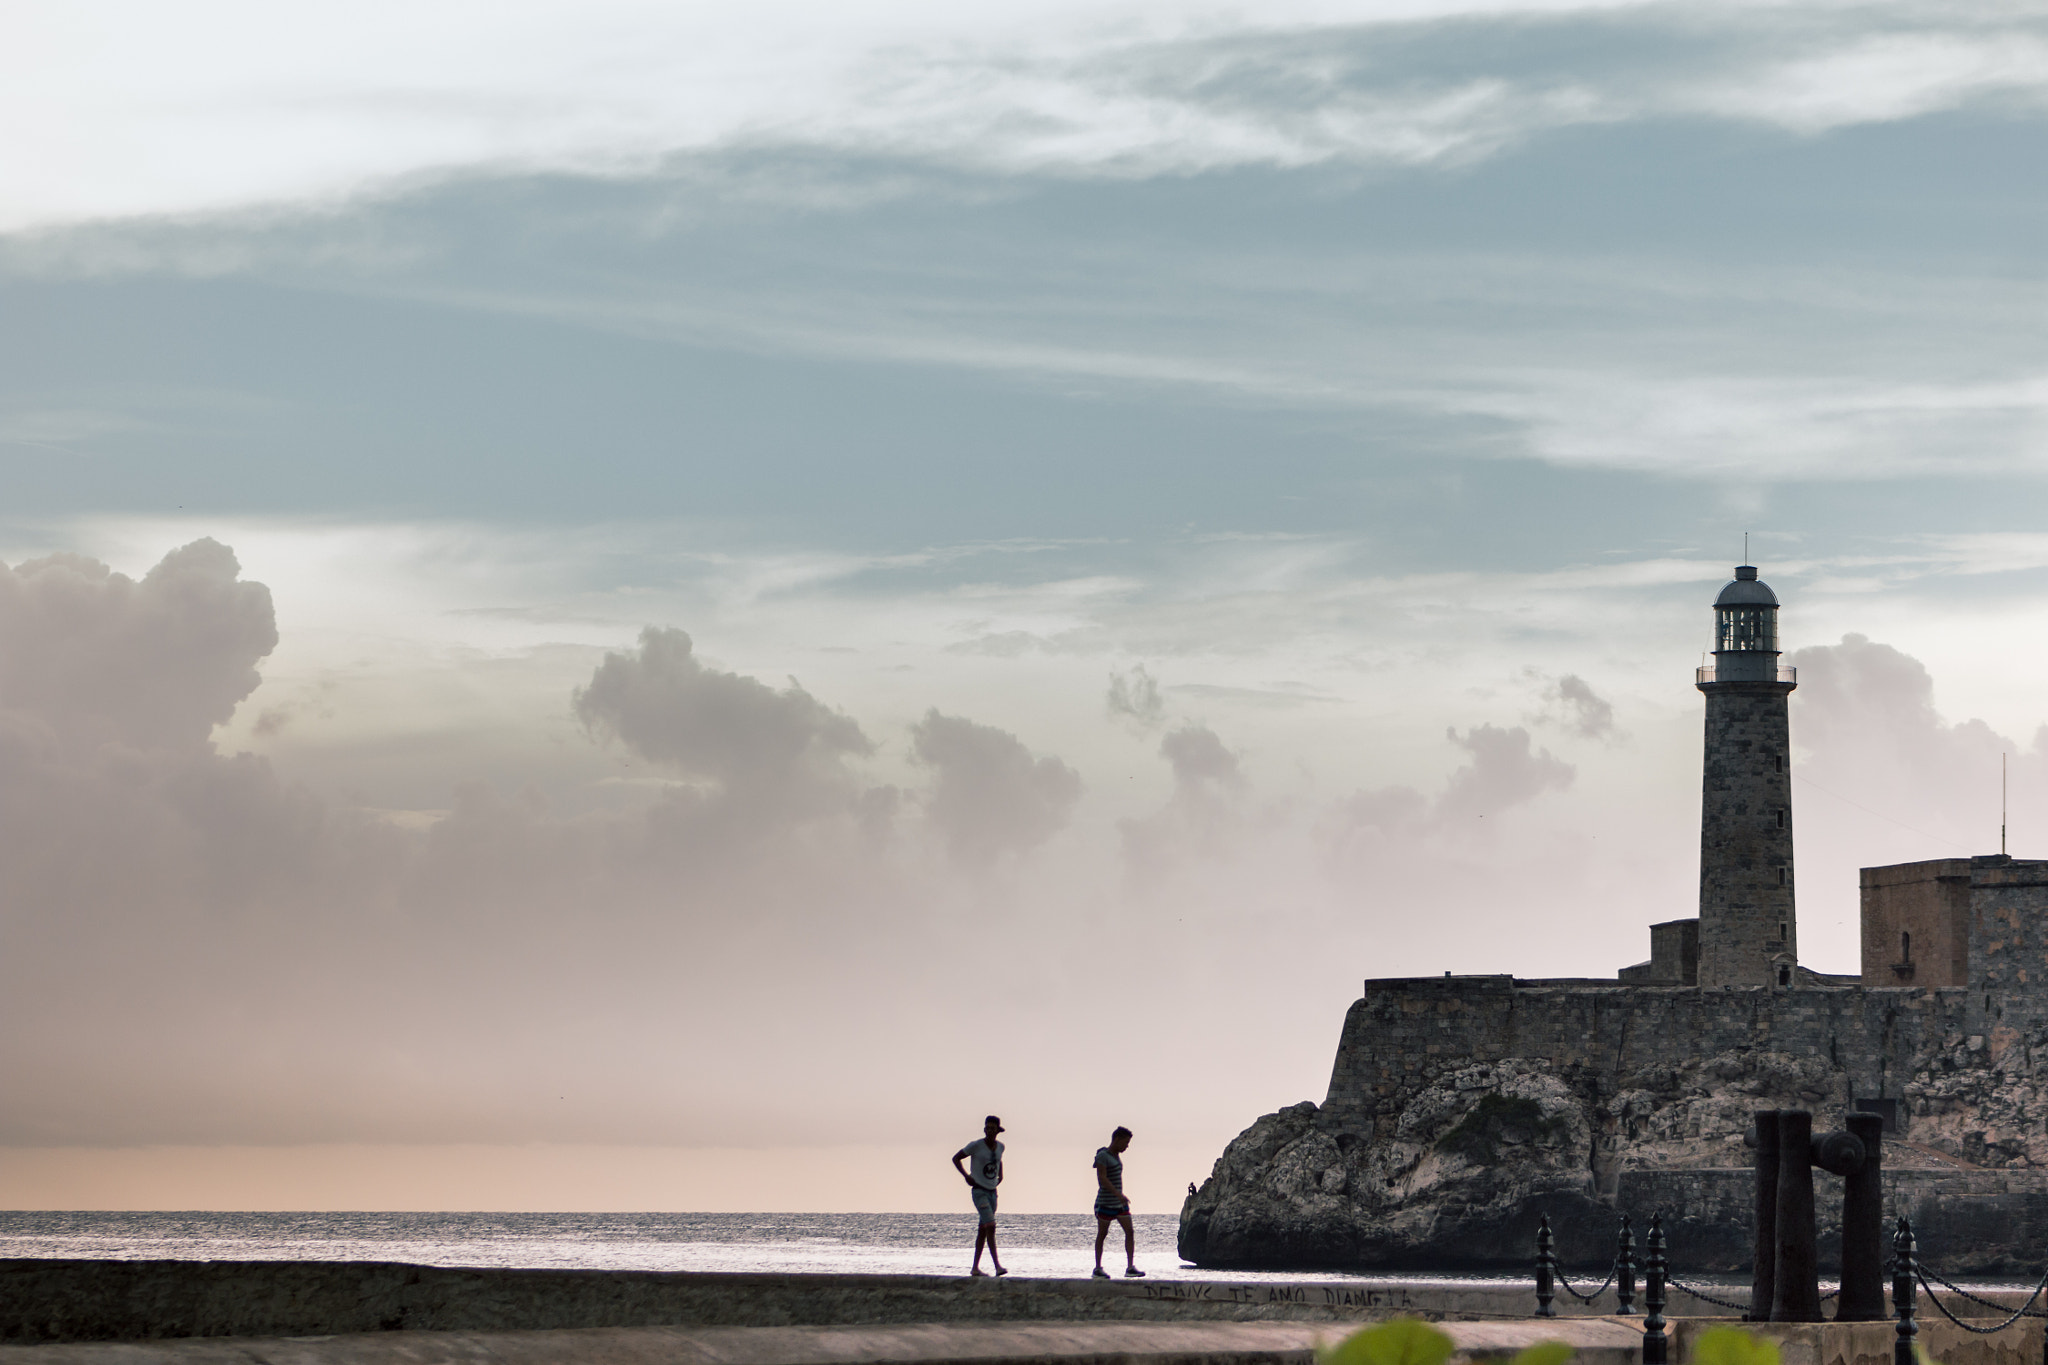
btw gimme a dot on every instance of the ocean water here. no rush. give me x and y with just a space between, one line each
1050 1245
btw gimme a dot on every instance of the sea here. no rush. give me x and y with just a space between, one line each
1036 1245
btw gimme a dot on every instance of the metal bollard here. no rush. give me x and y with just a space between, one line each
1902 1294
1795 1294
1655 1343
1863 1226
1625 1272
1546 1270
1763 1279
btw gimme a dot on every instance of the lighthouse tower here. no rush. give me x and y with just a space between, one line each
1749 935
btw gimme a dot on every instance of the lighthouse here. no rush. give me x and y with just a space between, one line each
1748 932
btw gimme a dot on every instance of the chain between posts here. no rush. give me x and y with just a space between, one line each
1960 1292
1702 1294
1903 1265
1981 1331
1584 1298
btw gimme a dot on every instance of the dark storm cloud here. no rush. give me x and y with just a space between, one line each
990 795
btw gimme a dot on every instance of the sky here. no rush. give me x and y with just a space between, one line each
631 606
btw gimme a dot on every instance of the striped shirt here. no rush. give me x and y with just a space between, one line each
1108 1205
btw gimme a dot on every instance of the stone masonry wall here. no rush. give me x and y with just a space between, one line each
1747 918
2008 934
1929 901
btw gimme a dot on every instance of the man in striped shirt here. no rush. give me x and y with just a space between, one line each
1110 1204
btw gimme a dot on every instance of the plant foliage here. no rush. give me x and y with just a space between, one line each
1733 1346
1411 1341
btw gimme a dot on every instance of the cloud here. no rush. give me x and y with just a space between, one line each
1503 771
1570 703
1135 696
765 750
1035 90
990 797
1200 821
1877 762
1200 762
1707 425
155 664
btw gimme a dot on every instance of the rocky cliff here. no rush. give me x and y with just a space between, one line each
1427 1155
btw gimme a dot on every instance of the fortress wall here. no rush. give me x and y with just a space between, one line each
2009 928
1930 901
1406 1033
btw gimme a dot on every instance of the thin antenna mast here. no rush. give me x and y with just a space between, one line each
1745 547
2001 805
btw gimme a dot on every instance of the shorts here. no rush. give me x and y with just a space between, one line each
985 1205
1119 1209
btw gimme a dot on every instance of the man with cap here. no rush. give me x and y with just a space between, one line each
983 1173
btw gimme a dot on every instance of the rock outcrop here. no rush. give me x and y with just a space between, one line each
1447 1159
1472 1153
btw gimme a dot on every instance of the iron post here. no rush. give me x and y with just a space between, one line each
1546 1270
1902 1294
1625 1272
1655 1343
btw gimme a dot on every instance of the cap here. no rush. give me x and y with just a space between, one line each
996 1121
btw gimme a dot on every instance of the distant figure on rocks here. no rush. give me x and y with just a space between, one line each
983 1173
1110 1204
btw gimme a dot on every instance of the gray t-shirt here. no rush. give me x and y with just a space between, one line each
985 1163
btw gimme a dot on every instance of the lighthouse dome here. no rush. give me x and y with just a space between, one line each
1746 590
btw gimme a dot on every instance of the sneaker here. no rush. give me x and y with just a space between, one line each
1100 1273
1134 1273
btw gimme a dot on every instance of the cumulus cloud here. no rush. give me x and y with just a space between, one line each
1134 696
1571 704
1200 762
762 748
1200 817
1503 770
103 659
990 796
202 952
1876 756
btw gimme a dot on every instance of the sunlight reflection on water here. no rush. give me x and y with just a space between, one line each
838 1243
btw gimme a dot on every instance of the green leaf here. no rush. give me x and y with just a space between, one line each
1733 1346
1400 1341
1543 1353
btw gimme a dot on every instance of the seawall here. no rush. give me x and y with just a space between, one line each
86 1300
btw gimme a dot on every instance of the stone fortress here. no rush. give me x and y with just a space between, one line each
1461 1108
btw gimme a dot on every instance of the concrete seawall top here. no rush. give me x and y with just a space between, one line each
88 1300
